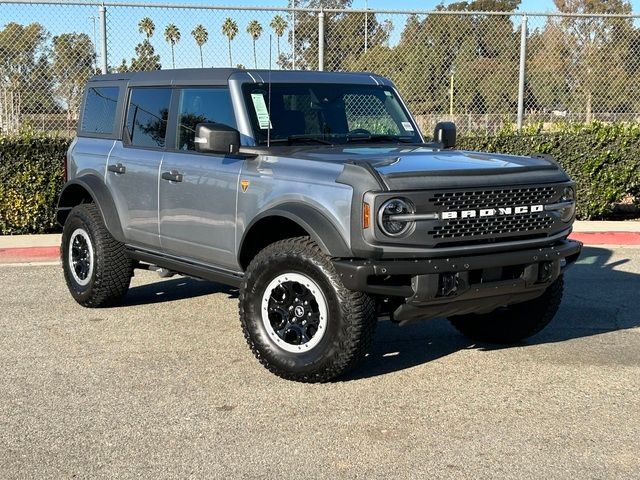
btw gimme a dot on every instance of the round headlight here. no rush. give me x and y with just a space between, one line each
567 213
394 227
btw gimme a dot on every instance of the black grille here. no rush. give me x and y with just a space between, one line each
492 228
504 197
473 227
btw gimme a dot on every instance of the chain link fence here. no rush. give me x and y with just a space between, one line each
483 70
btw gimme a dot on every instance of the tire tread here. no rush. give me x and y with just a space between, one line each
358 307
113 269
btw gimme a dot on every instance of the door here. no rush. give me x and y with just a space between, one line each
133 165
198 192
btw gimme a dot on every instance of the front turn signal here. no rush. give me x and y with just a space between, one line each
366 215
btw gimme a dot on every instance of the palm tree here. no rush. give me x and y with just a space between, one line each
279 25
255 30
172 36
230 30
147 27
200 35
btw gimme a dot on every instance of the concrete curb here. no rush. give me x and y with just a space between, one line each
607 238
46 248
29 254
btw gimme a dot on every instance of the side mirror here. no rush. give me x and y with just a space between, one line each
216 138
445 134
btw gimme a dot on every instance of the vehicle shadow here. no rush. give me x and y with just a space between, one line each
597 299
178 288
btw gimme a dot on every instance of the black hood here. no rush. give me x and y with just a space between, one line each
410 167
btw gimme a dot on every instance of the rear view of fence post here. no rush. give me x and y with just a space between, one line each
321 40
523 63
103 37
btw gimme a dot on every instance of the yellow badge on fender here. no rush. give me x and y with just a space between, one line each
244 184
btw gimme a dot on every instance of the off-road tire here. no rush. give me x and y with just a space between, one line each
112 269
351 319
514 323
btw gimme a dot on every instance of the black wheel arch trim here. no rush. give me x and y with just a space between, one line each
95 187
315 223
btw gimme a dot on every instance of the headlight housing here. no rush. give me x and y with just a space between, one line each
395 227
569 197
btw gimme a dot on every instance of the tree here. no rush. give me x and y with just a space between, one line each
122 68
279 25
22 67
480 51
200 35
146 58
255 30
344 34
595 49
72 64
147 27
172 36
230 30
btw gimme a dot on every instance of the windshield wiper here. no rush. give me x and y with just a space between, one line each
380 137
301 138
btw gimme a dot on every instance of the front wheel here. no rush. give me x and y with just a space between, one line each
299 320
513 323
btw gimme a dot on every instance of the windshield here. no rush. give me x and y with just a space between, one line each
327 114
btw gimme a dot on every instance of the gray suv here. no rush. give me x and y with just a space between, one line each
316 195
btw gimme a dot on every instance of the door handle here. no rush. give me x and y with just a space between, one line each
172 176
117 168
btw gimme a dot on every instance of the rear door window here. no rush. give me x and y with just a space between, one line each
99 114
147 116
201 105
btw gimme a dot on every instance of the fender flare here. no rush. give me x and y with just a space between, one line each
96 188
320 228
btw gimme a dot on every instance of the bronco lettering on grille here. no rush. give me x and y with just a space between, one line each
491 212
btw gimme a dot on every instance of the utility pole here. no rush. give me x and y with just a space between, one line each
366 26
321 40
293 35
523 63
451 72
102 14
93 18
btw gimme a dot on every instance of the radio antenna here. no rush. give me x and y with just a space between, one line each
269 94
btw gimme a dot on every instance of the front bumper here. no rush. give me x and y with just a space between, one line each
457 285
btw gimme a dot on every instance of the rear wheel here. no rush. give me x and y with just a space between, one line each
299 320
96 267
513 323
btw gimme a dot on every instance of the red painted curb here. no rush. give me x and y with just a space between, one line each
29 254
607 238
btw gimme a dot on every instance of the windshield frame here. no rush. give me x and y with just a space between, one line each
398 116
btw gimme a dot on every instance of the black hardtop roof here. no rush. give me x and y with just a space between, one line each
220 76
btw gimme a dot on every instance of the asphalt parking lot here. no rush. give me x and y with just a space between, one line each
166 387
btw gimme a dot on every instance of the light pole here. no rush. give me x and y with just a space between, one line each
451 73
293 35
95 48
366 26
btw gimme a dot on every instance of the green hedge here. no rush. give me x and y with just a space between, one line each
32 172
603 159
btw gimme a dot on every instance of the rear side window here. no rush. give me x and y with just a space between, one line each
202 105
147 116
99 112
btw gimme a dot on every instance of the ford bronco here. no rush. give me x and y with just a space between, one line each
317 196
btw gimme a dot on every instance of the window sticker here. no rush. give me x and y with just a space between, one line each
261 111
388 93
407 126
